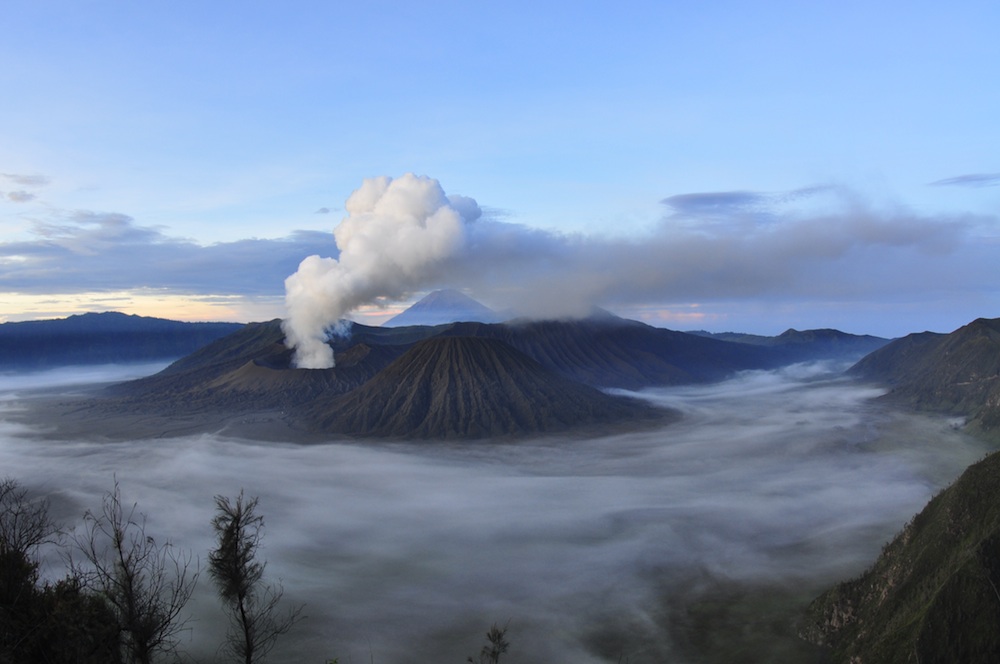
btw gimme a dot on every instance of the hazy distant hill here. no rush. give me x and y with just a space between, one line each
102 338
444 306
934 593
808 344
957 373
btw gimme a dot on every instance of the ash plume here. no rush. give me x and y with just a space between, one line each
396 236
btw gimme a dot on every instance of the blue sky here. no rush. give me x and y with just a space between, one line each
794 164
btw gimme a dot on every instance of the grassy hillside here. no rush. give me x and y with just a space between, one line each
956 374
934 593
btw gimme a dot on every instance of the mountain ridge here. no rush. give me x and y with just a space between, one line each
956 374
250 372
932 594
102 338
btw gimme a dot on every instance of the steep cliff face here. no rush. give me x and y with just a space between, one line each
934 593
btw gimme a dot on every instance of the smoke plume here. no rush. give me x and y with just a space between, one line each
404 236
396 236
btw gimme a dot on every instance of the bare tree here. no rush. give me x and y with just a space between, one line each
54 622
252 605
490 654
24 523
147 584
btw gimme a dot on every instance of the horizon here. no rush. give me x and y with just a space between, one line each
387 315
748 168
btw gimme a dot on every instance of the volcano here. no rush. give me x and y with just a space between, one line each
459 380
470 387
442 307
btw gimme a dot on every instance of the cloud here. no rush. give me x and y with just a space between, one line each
854 252
91 232
323 210
20 196
737 203
724 247
848 254
26 180
86 251
970 180
723 202
395 238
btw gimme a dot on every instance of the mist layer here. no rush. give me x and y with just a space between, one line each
590 548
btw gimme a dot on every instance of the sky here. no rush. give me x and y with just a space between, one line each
745 166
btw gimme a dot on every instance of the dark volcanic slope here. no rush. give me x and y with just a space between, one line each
261 342
462 387
934 593
957 373
520 378
239 370
251 370
614 352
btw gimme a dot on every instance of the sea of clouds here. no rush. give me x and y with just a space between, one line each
590 548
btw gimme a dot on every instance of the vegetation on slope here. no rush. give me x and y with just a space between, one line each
957 374
934 593
124 601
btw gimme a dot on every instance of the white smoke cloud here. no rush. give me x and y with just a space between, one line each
397 235
404 236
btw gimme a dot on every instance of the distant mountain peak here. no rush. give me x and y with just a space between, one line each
444 306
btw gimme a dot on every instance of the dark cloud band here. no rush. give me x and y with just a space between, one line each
970 180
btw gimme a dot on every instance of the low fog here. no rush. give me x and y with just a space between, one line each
773 486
